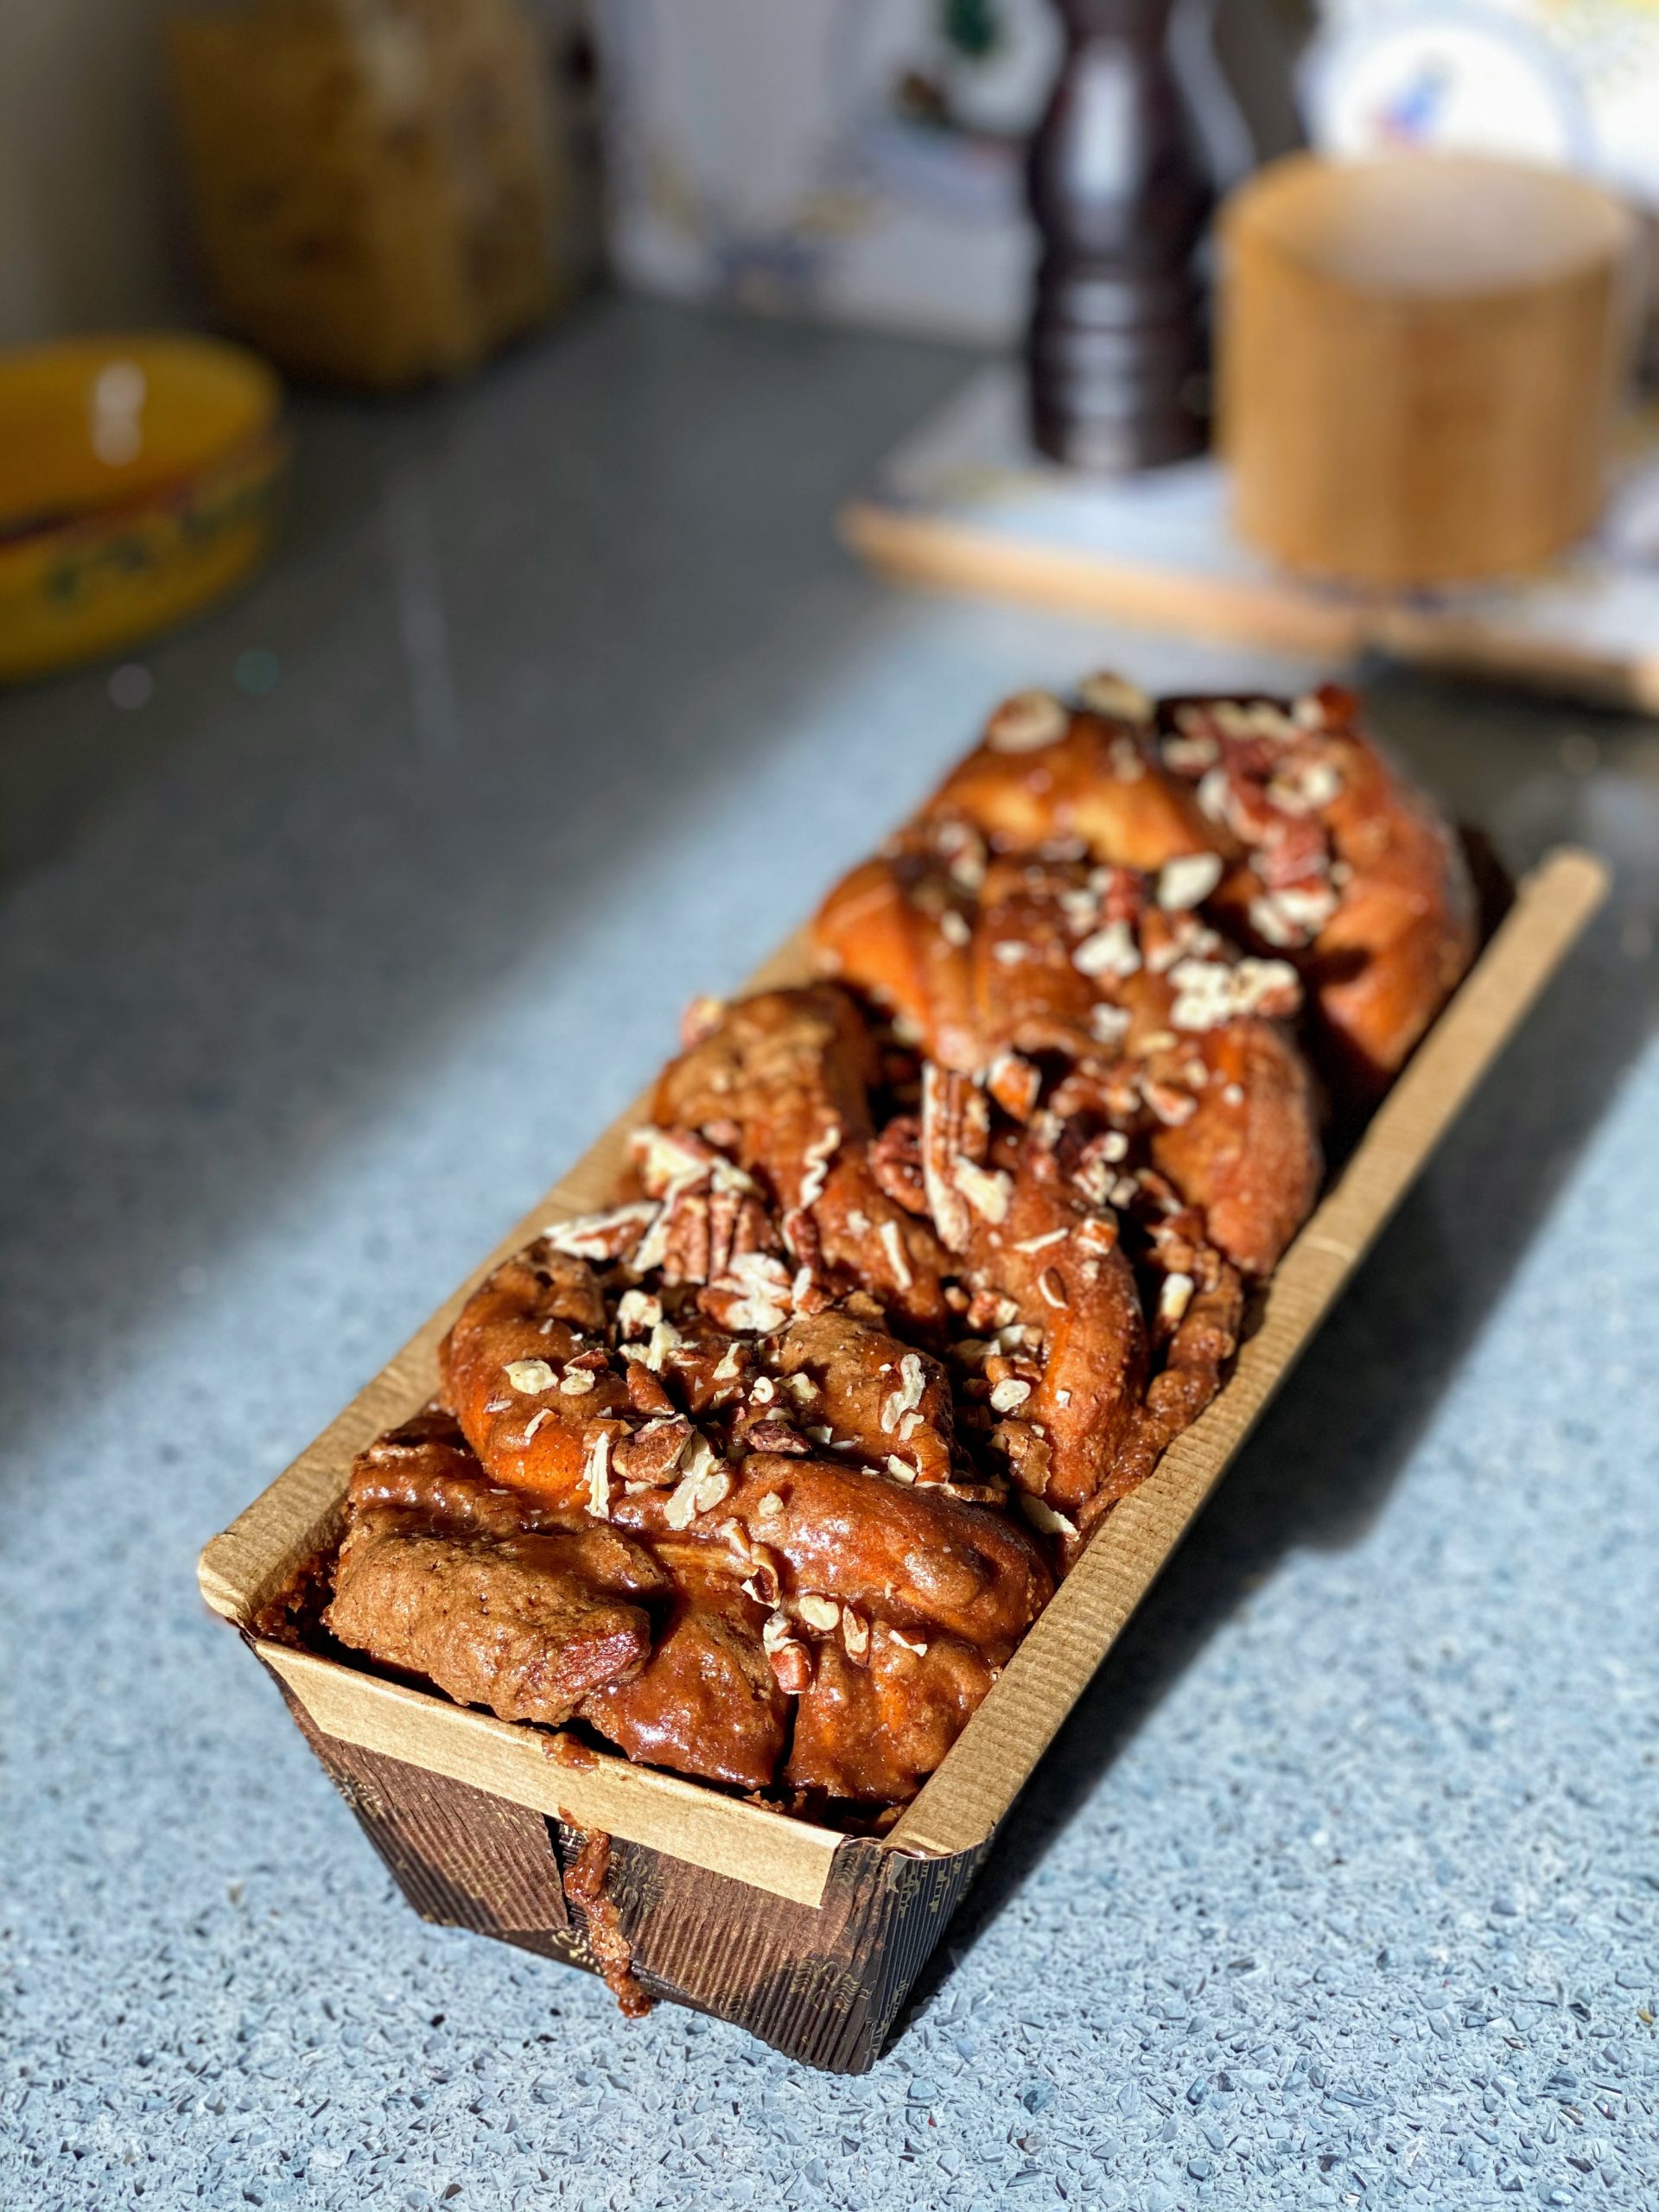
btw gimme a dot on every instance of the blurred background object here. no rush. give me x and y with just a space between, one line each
381 193
1116 343
1423 361
850 158
374 182
86 232
568 69
1436 452
138 479
1570 87
865 160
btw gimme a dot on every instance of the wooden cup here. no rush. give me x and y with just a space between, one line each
1420 363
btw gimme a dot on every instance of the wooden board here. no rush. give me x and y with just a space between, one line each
965 505
808 1937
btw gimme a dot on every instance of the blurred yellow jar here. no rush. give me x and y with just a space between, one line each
139 478
372 180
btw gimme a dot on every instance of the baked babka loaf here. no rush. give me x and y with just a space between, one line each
761 1473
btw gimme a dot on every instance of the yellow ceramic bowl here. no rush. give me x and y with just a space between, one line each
138 479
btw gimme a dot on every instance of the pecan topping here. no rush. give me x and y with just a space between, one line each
597 1472
1111 951
956 1134
701 1019
646 1394
530 1375
892 1244
792 1663
637 1313
1210 993
706 1484
652 1453
1043 1518
1189 880
895 1159
773 1436
1107 693
752 1296
1027 721
815 1166
1014 1083
610 1235
703 1234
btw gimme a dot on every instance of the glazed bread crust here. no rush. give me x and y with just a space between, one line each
762 1472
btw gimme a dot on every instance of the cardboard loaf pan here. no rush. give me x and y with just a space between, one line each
806 1936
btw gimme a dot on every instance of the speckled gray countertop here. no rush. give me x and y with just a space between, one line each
1342 1886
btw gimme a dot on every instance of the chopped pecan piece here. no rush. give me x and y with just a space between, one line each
602 1237
896 1162
753 1297
652 1453
1014 1082
774 1436
645 1392
955 1135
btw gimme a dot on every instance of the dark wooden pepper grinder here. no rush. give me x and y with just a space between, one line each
1117 347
